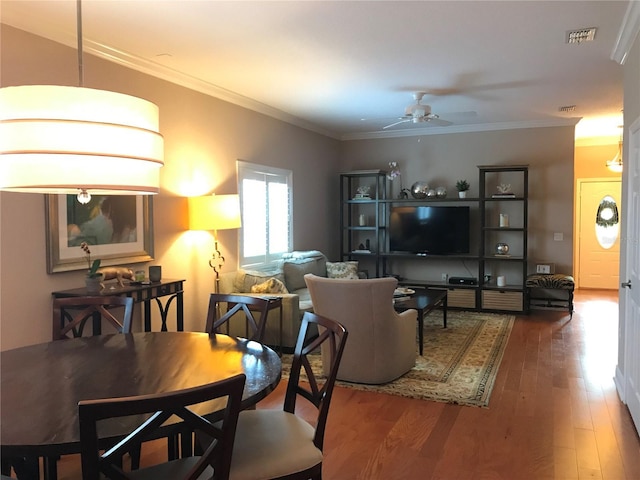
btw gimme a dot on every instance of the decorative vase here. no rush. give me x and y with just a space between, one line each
502 249
419 190
462 194
94 284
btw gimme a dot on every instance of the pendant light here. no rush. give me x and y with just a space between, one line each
615 164
77 140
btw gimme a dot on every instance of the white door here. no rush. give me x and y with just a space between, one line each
629 329
598 245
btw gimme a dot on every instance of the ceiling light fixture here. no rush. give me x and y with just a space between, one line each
63 139
615 164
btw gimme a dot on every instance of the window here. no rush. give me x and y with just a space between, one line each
607 222
265 205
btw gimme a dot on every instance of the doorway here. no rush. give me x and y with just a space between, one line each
598 233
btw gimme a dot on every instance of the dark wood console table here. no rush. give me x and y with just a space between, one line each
143 293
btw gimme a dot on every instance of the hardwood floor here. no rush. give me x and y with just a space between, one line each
554 414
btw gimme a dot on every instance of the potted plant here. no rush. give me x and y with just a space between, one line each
93 280
462 186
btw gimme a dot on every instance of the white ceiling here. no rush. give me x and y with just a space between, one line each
349 68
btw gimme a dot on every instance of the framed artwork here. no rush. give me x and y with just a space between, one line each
118 229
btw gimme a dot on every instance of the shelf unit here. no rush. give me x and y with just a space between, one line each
363 220
485 294
495 229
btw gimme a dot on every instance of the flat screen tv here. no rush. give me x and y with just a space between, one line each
431 230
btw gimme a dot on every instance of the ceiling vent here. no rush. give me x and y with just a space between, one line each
582 35
567 108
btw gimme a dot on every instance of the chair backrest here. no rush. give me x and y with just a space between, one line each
70 314
363 306
255 311
332 336
383 342
216 458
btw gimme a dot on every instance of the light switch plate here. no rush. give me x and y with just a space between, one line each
545 268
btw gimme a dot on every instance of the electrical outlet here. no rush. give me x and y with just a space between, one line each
445 277
545 267
558 237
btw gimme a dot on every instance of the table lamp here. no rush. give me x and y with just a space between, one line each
215 212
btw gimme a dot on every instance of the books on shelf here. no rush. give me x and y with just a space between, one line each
361 251
362 196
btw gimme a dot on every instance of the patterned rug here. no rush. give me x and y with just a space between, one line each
459 365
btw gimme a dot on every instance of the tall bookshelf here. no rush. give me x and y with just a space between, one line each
504 192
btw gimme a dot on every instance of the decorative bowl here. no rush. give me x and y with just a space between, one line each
441 192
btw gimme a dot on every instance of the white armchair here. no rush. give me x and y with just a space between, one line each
382 342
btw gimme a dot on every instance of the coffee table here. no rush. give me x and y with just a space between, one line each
424 301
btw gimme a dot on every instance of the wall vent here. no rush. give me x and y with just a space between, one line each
567 108
581 35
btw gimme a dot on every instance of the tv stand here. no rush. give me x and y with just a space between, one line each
368 218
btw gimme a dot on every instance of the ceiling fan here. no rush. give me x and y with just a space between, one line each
419 113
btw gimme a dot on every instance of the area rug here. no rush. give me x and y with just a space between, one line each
459 365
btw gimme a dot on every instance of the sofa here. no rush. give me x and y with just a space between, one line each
286 281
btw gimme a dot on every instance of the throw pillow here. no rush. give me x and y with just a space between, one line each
294 271
344 270
273 285
245 279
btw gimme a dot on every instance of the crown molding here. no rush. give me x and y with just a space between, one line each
554 122
170 75
173 76
628 33
156 70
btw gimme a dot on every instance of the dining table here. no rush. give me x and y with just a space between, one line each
41 385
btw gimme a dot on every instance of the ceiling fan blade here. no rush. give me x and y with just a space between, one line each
405 120
439 122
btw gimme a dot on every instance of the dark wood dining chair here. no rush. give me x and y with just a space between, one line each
274 444
71 314
223 307
214 462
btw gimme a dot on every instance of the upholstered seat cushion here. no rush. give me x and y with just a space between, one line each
290 447
554 281
304 297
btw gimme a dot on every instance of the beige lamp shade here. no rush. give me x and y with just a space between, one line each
61 139
214 212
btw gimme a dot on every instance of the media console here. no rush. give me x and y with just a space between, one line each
367 218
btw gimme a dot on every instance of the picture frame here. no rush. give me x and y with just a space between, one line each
66 218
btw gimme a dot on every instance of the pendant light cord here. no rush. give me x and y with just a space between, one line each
79 28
